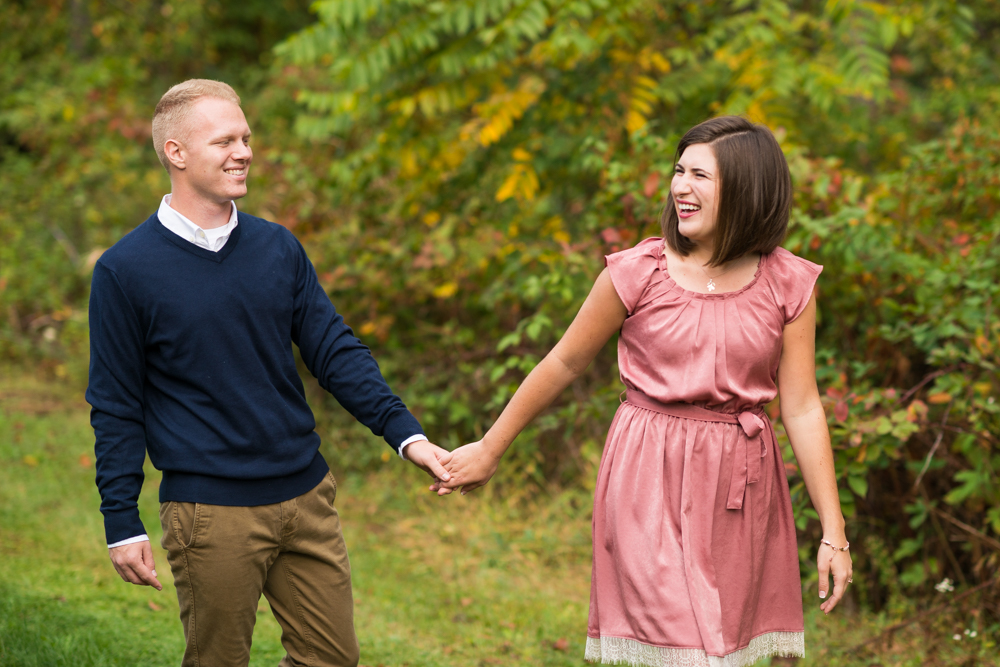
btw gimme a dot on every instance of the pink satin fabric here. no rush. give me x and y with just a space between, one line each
694 542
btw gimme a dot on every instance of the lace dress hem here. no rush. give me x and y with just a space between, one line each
626 651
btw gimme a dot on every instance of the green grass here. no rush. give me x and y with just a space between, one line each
480 580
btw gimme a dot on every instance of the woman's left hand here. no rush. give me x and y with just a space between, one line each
470 467
839 564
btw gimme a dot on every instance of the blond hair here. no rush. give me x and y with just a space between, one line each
175 107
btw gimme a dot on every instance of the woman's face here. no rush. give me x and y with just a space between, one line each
695 188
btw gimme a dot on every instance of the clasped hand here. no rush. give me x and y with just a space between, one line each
469 467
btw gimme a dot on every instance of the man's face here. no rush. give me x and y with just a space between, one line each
216 151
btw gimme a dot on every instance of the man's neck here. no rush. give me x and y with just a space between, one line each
205 214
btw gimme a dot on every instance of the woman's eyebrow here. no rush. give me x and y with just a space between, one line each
694 169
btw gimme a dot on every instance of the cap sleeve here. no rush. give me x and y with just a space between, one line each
631 270
794 279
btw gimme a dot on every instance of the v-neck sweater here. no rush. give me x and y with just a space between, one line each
192 360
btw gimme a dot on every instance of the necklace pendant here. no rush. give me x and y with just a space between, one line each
711 285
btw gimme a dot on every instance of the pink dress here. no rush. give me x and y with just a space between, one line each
695 558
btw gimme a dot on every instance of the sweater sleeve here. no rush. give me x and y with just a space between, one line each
115 393
343 364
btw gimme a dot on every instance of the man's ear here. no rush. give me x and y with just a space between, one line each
174 151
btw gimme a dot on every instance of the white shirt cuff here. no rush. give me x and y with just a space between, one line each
131 540
413 438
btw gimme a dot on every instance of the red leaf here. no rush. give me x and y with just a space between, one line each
840 411
560 644
611 235
651 185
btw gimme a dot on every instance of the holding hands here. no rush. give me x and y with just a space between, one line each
470 467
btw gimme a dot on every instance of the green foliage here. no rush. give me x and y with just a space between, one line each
458 169
484 154
78 82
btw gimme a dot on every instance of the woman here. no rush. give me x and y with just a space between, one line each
695 559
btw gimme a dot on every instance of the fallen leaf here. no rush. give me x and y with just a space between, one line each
154 606
84 461
561 644
466 601
30 460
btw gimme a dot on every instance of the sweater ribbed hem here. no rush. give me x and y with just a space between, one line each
193 488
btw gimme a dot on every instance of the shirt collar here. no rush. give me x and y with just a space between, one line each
187 230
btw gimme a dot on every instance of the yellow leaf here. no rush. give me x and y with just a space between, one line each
446 290
521 155
367 329
938 398
529 184
509 186
646 82
660 63
431 218
498 113
635 121
409 166
385 457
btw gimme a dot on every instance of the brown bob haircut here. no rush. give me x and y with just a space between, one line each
755 189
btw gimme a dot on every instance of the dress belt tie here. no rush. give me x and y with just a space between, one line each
758 435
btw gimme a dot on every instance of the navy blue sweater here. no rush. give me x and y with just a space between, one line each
191 359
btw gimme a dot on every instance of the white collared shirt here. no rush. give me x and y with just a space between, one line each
209 239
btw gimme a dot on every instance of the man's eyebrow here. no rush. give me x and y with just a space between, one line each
220 137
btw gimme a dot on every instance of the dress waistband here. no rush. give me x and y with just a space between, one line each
754 427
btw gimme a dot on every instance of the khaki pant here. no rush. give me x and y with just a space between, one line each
293 552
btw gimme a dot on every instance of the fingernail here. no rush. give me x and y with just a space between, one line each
446 477
154 573
463 493
822 594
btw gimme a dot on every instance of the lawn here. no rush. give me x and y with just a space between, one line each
479 580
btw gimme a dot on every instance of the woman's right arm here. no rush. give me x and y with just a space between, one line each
601 315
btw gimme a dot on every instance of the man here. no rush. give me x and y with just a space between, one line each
193 315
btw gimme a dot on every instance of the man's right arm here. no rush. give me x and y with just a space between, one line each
115 392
